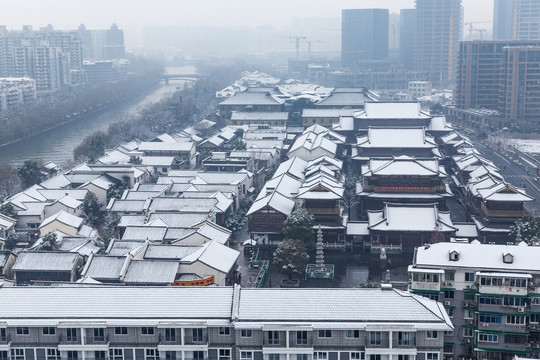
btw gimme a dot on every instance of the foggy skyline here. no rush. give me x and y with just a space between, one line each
133 15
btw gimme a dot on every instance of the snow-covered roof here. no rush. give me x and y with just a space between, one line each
69 202
410 217
371 306
295 167
157 160
311 142
480 257
252 98
56 182
163 146
151 272
215 255
392 110
396 137
65 218
108 268
260 116
116 303
275 201
317 113
504 192
171 252
45 261
403 165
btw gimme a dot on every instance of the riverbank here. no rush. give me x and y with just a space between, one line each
93 110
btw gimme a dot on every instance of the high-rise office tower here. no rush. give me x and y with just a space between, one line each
407 32
364 36
516 20
503 16
439 28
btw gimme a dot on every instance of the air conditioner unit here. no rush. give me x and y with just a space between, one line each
485 324
465 304
469 322
521 309
468 286
537 346
467 341
447 303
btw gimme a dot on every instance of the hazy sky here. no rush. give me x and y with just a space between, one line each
132 14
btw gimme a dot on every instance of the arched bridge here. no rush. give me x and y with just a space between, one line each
189 77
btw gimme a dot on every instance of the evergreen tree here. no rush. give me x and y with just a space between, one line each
291 258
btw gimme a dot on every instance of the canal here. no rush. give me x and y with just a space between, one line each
57 144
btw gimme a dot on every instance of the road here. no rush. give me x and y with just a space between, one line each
515 174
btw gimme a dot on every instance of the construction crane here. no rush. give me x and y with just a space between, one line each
472 29
297 39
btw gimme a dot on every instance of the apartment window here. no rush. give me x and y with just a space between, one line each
3 335
449 275
468 313
116 354
224 354
375 338
100 355
403 357
99 334
469 277
71 334
448 294
490 319
516 320
404 338
273 337
146 330
320 355
246 355
468 332
197 334
301 338
273 357
325 333
198 355
3 355
17 354
484 337
72 355
246 333
120 330
450 312
170 334
352 334
432 356
23 330
432 335
357 355
224 331
48 330
374 357
151 354
52 354
302 357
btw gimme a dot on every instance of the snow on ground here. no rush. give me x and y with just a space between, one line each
526 145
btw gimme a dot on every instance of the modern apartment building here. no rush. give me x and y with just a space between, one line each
46 55
16 91
499 75
364 36
516 20
219 323
407 35
439 28
490 292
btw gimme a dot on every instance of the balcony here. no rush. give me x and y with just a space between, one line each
196 340
69 340
425 285
96 340
5 339
502 212
274 342
300 343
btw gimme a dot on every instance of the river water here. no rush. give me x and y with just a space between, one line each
57 144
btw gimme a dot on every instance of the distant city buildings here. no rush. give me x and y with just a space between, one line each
54 58
516 20
364 36
500 76
15 92
102 44
439 28
407 37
